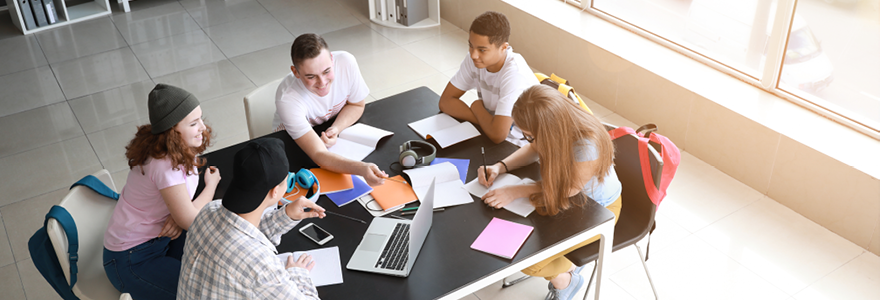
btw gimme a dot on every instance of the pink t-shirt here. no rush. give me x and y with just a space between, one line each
141 212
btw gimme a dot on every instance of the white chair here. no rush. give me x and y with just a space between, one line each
259 108
91 212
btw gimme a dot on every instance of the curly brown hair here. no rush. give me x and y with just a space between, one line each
145 145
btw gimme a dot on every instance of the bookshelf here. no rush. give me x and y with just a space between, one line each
66 14
376 14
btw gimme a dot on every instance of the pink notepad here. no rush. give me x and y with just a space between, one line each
502 238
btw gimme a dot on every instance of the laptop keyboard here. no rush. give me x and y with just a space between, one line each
396 250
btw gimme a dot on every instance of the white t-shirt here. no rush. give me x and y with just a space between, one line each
297 109
498 90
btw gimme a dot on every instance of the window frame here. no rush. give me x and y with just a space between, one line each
770 74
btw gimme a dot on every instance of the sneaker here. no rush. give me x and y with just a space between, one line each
568 293
553 294
577 270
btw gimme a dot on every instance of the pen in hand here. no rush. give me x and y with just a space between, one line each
485 170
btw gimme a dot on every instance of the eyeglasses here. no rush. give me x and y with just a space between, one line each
528 138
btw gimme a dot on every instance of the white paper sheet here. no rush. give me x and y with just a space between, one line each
431 124
357 141
449 190
444 129
328 268
519 206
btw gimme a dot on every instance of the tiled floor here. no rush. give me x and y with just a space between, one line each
70 99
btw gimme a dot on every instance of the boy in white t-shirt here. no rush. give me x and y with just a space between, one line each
497 73
323 85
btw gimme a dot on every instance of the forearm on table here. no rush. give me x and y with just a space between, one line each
456 108
521 157
349 114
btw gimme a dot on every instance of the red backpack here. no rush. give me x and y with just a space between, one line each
668 151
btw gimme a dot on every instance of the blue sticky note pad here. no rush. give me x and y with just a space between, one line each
460 163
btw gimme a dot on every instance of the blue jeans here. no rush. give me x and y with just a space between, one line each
147 271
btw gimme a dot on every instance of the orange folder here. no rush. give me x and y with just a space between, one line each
332 182
394 193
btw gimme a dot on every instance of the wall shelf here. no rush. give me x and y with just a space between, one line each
433 19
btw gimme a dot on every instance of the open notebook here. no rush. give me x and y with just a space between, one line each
444 129
357 141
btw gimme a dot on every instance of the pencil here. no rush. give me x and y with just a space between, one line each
485 170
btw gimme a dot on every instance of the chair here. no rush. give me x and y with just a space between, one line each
637 214
91 212
259 108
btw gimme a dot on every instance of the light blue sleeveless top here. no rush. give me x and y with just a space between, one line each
610 189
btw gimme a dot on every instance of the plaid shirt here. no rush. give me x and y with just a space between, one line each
226 257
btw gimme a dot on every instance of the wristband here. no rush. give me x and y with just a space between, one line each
506 170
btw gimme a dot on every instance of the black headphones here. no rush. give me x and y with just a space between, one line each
409 158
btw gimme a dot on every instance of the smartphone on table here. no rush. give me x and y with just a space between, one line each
316 233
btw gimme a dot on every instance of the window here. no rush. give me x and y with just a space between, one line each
830 58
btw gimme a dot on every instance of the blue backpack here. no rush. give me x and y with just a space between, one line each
42 252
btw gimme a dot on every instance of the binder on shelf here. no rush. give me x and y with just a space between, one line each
51 14
39 13
401 11
413 11
26 14
391 10
380 9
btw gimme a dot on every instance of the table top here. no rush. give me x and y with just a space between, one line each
446 261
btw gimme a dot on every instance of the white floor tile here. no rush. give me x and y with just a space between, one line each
37 127
6 257
694 270
141 25
248 35
114 107
80 39
99 72
10 283
393 67
109 145
176 53
700 194
37 86
358 40
23 218
35 286
225 114
776 243
443 52
209 81
265 65
858 279
45 169
21 53
311 16
215 12
436 82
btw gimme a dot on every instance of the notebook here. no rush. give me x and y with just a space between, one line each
332 182
393 194
502 238
358 141
345 197
519 206
460 163
328 268
450 189
444 129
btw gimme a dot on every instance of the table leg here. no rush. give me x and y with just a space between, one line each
604 251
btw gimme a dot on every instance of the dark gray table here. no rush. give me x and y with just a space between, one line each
446 267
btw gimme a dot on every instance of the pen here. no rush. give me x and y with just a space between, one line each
308 209
412 212
416 207
396 180
485 171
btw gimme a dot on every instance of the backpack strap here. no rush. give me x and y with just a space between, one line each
92 182
63 217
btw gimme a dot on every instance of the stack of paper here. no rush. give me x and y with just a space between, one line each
444 129
358 141
449 190
328 268
519 206
502 238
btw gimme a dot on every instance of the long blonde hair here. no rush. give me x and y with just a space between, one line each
557 125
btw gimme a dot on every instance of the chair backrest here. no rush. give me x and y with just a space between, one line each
91 212
259 108
638 211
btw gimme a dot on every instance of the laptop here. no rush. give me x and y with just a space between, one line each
390 246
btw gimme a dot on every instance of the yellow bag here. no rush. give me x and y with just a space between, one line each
561 84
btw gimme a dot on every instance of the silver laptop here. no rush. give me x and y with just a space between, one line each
390 246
